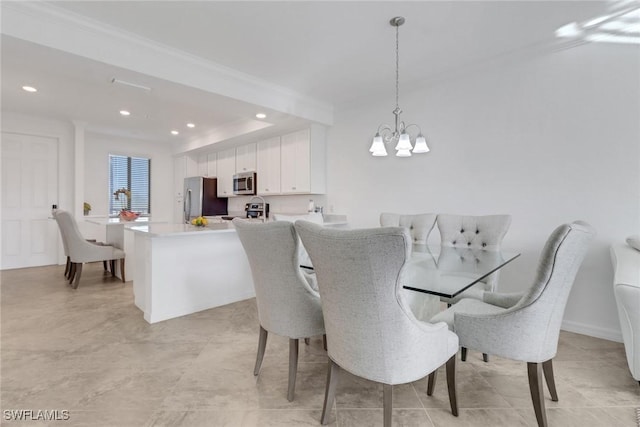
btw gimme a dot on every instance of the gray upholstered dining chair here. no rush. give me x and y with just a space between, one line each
526 326
81 251
287 305
419 225
65 247
371 331
473 232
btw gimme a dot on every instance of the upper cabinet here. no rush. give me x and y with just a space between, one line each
294 163
268 166
302 168
226 168
212 165
246 158
207 165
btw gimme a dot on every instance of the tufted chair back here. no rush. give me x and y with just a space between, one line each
482 232
419 225
474 232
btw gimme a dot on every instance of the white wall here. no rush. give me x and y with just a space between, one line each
548 140
96 170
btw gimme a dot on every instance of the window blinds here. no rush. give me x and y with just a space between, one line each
131 173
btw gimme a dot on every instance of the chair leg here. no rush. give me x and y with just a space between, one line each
72 272
293 367
262 345
537 394
431 384
104 265
324 341
67 267
330 392
485 357
387 398
463 354
451 384
78 273
113 267
122 269
547 369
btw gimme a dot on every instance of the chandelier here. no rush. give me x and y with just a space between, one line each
398 135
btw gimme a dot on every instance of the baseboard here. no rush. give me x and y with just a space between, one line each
592 331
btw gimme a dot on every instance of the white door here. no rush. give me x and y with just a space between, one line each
29 188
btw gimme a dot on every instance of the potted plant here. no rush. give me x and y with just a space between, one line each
125 214
87 208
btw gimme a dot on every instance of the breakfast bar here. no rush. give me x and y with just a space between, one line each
182 269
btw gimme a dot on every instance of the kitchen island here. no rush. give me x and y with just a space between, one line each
182 269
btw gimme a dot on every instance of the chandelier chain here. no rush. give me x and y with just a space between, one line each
397 65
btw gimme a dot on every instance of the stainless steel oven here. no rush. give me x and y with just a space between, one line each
244 183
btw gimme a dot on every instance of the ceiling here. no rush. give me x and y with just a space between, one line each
335 53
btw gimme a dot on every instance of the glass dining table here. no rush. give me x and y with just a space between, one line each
448 271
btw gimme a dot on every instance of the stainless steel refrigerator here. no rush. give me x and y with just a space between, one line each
201 198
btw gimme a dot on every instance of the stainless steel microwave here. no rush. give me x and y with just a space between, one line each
244 183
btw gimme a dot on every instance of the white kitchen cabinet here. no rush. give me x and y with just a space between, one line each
190 166
212 159
246 158
268 166
203 167
207 165
226 168
302 168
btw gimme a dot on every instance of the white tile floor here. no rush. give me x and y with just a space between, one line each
89 351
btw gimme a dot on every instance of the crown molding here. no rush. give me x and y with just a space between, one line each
51 26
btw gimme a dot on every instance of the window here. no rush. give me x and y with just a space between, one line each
132 174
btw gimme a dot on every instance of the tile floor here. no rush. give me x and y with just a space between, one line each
89 351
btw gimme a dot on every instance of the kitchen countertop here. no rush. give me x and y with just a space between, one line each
216 225
167 230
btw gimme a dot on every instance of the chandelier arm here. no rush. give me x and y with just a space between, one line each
386 132
411 125
384 128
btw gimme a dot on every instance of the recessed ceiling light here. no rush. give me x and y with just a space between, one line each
29 88
190 125
125 113
174 132
261 115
